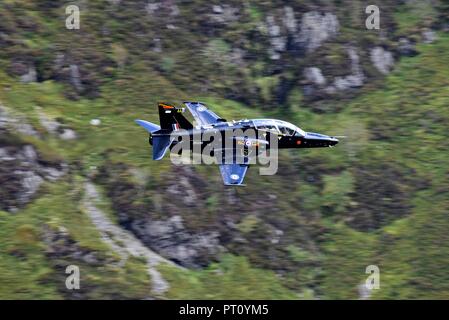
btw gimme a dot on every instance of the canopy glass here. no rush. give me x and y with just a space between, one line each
278 126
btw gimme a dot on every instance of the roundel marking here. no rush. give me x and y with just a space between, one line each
235 176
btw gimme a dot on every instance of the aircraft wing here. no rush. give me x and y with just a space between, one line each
233 174
202 115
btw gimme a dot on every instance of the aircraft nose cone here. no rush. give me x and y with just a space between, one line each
321 140
333 141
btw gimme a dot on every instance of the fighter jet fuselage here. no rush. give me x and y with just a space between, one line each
211 130
226 129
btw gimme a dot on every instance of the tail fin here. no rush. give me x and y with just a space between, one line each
160 142
171 118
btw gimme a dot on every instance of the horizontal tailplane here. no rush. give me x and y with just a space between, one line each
150 127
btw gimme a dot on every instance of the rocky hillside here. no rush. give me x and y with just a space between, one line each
79 188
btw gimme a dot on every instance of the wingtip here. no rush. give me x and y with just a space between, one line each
235 184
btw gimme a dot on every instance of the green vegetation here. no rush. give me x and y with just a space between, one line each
29 271
414 15
232 278
379 198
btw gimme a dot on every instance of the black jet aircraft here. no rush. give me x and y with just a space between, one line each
166 135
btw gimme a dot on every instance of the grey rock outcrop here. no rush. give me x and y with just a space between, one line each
364 292
314 76
22 168
317 84
68 134
60 244
124 243
353 80
223 14
75 77
382 59
16 123
49 124
278 41
168 6
290 20
23 173
316 28
407 48
30 76
170 239
429 36
54 127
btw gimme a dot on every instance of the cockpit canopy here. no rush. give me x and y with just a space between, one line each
278 126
